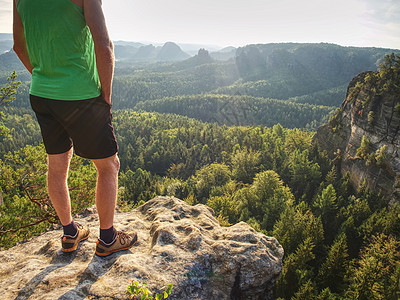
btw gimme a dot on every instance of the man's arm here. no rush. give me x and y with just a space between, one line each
19 39
103 46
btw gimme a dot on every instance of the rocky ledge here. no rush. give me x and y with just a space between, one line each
372 116
178 244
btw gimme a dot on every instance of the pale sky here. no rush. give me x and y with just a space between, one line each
369 23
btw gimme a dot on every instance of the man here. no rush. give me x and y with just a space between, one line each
65 45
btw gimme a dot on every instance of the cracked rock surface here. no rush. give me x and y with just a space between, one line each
177 243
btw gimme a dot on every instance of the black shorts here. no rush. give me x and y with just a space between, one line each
84 124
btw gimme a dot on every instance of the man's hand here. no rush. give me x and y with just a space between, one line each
102 45
19 39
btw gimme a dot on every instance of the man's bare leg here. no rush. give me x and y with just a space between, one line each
58 166
110 240
106 189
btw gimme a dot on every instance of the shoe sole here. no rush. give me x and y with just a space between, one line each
116 250
76 245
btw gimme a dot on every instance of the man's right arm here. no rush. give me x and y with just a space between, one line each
103 46
19 39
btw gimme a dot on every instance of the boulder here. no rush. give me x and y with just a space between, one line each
177 244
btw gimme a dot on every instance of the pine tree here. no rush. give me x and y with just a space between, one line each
296 271
365 148
332 272
376 274
305 292
273 197
326 207
7 93
245 164
326 294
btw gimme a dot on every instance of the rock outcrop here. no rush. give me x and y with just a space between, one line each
371 113
179 244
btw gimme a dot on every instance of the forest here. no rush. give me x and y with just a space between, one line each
252 160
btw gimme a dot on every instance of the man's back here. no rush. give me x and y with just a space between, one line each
60 48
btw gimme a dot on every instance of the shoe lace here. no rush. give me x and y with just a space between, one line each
124 237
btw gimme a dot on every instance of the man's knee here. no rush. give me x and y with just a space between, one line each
116 162
58 164
109 164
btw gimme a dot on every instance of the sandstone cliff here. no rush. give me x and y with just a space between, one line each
370 111
178 243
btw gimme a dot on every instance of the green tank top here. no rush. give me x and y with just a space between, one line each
61 50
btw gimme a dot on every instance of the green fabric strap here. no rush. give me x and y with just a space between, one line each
61 50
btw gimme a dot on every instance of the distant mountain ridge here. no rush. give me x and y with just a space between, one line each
289 70
323 63
131 52
128 51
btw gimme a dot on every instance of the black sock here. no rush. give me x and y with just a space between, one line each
107 235
70 229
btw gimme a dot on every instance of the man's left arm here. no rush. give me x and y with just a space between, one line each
103 46
19 39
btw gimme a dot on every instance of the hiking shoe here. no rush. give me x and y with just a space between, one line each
122 241
70 243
